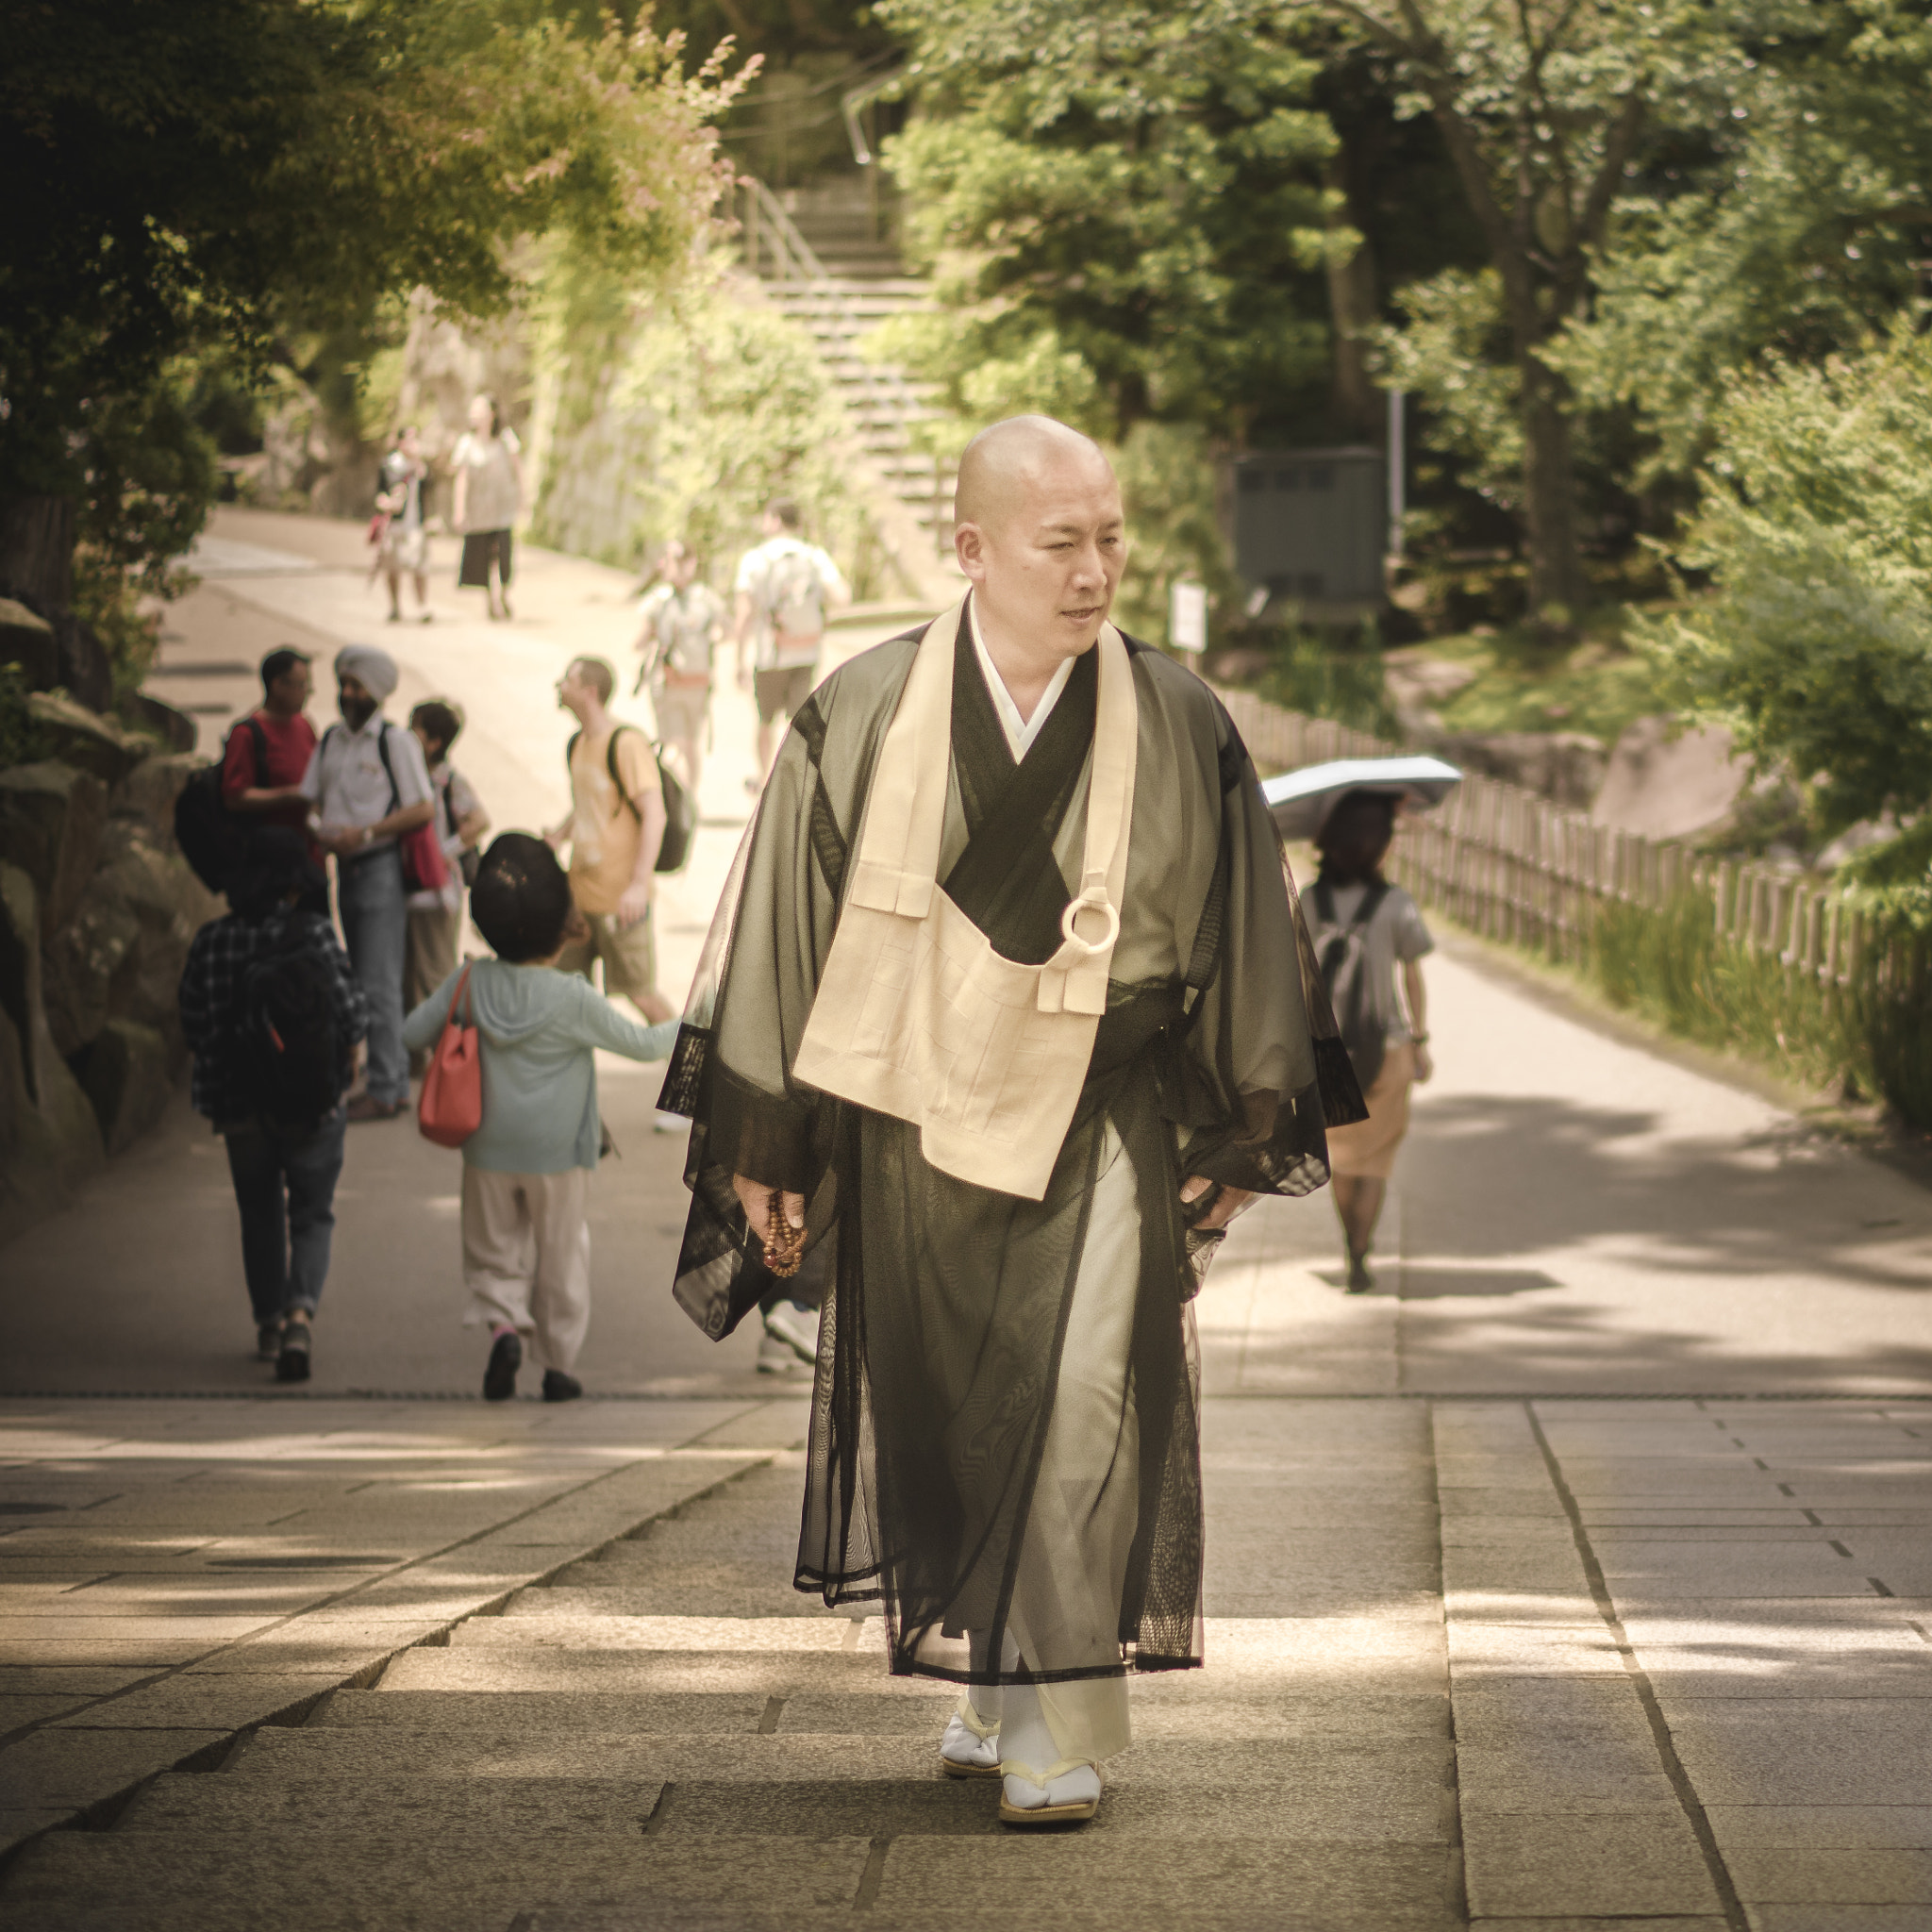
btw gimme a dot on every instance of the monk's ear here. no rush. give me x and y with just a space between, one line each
969 545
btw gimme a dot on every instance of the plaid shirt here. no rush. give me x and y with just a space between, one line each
211 984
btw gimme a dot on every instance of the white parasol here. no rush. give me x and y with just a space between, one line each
1300 802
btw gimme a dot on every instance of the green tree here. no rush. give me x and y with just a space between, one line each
186 174
1815 644
1122 210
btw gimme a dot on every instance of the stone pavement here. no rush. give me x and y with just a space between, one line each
1553 1664
1579 1576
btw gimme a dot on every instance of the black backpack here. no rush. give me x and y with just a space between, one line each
214 840
1345 973
680 810
291 1052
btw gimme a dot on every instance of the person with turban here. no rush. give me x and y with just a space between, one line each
367 785
1007 1010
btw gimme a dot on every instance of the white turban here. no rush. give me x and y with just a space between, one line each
374 669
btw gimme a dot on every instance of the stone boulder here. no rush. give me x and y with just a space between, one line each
50 1137
1566 767
52 819
79 736
146 796
86 670
175 730
126 1075
28 639
1667 783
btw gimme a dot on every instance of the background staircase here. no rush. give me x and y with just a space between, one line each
820 257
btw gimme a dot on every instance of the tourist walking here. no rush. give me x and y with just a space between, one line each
272 1012
683 621
402 503
614 828
436 913
905 1041
486 464
368 785
784 586
1363 929
527 1168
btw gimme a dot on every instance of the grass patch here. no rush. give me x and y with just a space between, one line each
1596 685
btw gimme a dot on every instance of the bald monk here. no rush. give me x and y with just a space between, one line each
1002 1018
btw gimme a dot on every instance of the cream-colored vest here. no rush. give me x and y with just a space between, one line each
916 1015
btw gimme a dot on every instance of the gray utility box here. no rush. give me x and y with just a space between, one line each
1313 526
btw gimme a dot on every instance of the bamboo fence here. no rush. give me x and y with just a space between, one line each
1507 863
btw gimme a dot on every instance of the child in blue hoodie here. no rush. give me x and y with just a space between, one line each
526 1170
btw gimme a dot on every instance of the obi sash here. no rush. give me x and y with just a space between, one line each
916 1015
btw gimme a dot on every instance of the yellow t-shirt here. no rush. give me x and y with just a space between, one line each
604 830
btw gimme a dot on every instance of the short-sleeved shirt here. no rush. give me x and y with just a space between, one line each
604 829
348 783
1392 937
456 799
493 497
289 743
680 627
756 570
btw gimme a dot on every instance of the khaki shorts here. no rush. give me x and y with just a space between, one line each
1366 1151
630 955
681 711
782 693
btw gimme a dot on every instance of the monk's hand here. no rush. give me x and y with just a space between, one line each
756 1197
1228 1204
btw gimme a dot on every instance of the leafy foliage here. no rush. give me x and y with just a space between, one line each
1816 522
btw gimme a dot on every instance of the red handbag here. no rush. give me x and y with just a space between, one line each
424 868
451 1109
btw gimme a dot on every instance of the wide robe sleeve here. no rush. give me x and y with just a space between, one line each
1263 1071
753 994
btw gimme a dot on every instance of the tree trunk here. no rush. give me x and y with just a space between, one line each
36 551
1557 592
1354 310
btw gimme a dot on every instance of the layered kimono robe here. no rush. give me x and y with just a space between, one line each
1004 1432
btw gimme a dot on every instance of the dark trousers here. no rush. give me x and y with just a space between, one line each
285 1185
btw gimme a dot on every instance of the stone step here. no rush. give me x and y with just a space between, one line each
1318 1768
296 1880
782 1634
639 1713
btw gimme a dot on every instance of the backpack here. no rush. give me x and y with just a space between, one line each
214 840
291 1053
1345 973
795 596
680 810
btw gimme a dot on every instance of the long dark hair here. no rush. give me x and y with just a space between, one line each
1356 839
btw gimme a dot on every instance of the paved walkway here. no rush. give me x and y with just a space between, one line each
1485 1645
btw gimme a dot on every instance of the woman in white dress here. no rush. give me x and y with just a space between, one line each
489 495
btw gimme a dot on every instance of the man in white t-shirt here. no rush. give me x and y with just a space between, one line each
784 586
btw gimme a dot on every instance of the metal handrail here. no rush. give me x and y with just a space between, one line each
771 236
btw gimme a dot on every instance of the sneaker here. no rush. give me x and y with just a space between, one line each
365 1107
291 1363
775 1356
797 1328
558 1386
268 1341
500 1377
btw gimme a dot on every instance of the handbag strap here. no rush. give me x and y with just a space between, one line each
460 995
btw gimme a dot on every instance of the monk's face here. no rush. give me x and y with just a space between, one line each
1046 559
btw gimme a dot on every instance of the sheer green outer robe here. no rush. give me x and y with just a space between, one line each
1004 1433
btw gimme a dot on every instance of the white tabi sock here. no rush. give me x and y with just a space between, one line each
1036 1774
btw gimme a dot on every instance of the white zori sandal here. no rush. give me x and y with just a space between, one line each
1068 1793
971 1747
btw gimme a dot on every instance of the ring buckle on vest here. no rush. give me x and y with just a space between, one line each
1094 899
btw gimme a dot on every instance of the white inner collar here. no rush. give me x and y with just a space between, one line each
1021 732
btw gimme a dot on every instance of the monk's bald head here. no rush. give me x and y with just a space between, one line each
1003 464
1037 530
